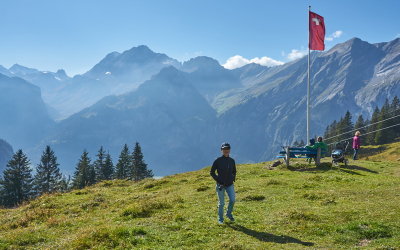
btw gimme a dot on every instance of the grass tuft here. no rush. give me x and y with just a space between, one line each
202 188
302 215
145 208
273 182
121 237
254 197
312 196
356 231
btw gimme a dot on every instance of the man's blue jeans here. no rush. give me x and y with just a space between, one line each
221 201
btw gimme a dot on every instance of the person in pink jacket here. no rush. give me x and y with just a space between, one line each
356 144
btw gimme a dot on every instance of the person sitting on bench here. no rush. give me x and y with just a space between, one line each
319 144
311 143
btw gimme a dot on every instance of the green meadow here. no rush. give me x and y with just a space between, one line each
298 207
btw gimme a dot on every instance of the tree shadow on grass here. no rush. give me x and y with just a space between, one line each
267 237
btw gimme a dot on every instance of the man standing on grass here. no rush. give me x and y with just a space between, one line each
226 169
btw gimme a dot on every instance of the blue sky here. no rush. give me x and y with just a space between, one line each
76 34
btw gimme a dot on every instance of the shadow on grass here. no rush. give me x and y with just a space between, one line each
311 168
323 167
267 237
343 169
359 168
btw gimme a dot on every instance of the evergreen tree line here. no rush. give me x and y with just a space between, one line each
18 184
372 130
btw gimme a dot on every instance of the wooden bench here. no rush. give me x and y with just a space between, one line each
295 152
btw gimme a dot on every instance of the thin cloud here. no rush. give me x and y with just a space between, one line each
334 35
296 54
239 61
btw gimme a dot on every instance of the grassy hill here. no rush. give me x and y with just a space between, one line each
297 207
386 152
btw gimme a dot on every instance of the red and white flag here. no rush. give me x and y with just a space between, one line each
317 32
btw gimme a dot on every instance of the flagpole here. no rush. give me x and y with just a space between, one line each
308 80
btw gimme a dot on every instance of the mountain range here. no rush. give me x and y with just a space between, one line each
117 73
181 112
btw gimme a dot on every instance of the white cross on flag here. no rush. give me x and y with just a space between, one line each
317 31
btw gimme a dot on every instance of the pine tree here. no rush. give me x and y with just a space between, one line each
48 176
99 164
346 126
370 140
327 132
383 135
108 170
124 164
360 123
17 180
84 172
103 166
92 175
65 184
330 132
2 193
139 169
395 111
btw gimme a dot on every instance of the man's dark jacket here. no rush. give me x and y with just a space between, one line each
226 169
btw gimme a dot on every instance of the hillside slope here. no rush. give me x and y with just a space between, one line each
386 152
283 208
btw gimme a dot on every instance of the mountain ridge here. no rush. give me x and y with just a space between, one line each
253 107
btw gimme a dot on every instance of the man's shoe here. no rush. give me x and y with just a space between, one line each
230 218
220 222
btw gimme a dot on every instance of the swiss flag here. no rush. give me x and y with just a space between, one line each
317 31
